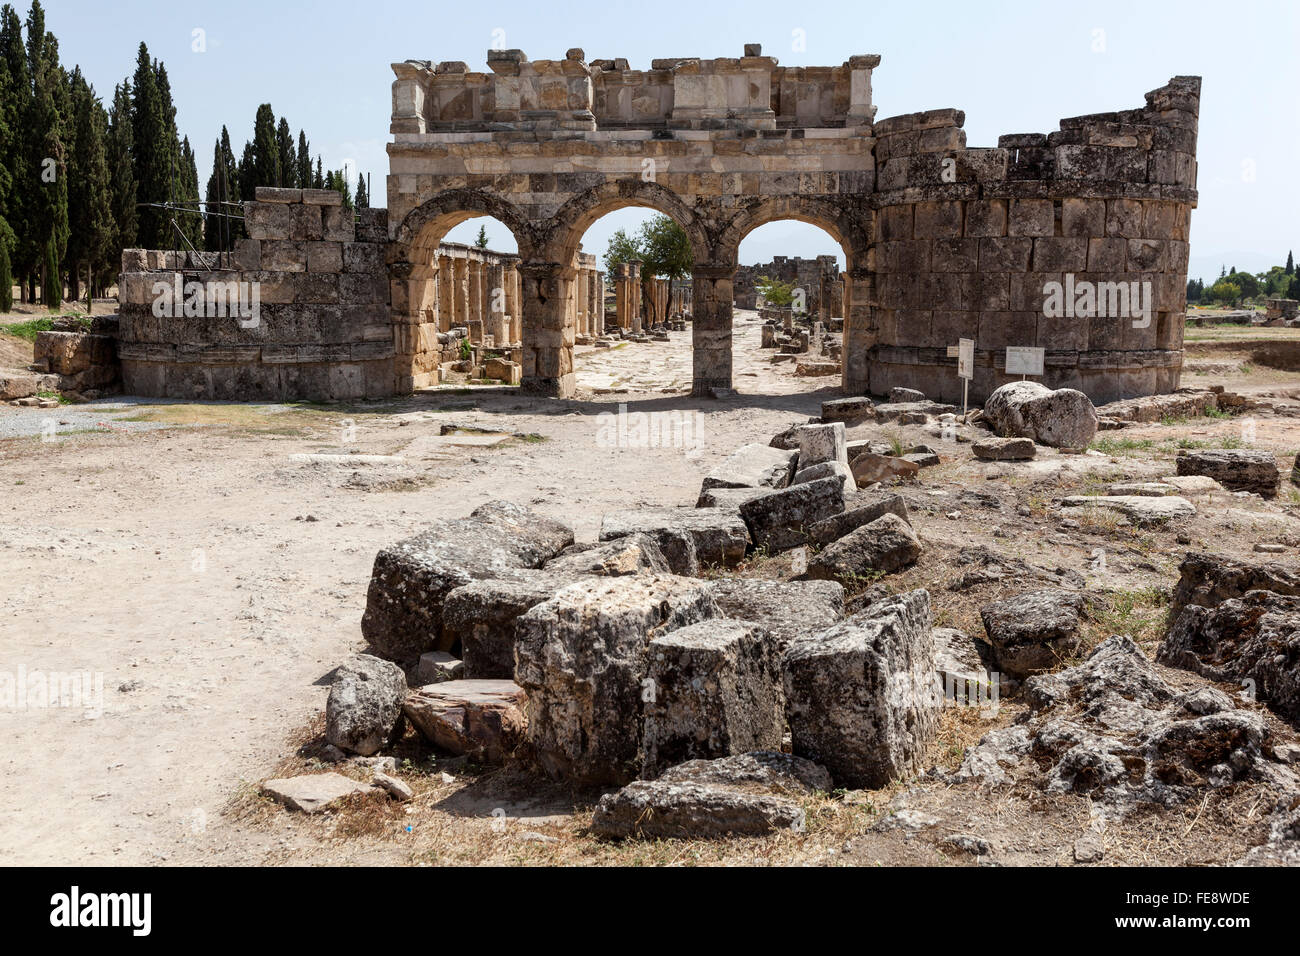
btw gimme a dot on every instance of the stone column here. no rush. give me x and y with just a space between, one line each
499 323
634 295
517 313
474 271
596 302
460 290
446 299
548 337
711 331
859 330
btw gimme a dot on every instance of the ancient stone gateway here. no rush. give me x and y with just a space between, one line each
941 241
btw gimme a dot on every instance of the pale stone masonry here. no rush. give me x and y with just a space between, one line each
941 241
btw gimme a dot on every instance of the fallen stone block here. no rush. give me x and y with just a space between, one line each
787 609
885 545
630 554
313 792
849 411
912 413
481 719
730 498
1237 469
860 696
860 509
364 704
1003 449
689 538
743 795
923 459
899 394
869 468
819 443
781 520
403 616
753 466
1140 509
1193 484
1208 580
1060 418
1034 631
825 469
397 789
435 667
479 618
582 658
1147 489
714 689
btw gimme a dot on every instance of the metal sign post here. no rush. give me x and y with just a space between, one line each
964 352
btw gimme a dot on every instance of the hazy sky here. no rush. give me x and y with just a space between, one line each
1012 66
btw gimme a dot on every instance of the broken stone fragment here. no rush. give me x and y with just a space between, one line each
730 498
714 689
1060 418
1003 449
582 658
783 519
826 469
861 509
753 466
1236 469
313 792
900 394
690 539
869 468
403 616
364 704
819 443
481 719
399 790
1034 631
742 795
883 546
630 554
1210 579
861 696
437 666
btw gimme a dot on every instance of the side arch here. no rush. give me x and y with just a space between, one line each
418 235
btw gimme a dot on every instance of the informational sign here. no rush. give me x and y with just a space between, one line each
1024 360
966 358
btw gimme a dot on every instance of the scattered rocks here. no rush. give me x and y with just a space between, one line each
743 795
1034 631
364 704
1061 418
1236 469
313 792
860 696
1003 449
1147 489
730 498
885 545
481 719
1207 580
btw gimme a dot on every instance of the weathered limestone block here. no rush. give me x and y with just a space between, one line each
730 498
742 795
784 519
364 704
861 509
900 394
434 667
885 545
1034 631
826 469
313 792
1208 580
715 690
481 719
753 466
787 609
630 554
403 617
860 697
1237 469
689 538
1004 449
479 617
819 443
582 658
1140 509
1063 418
868 468
849 411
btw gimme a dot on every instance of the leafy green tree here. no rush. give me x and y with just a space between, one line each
775 291
621 248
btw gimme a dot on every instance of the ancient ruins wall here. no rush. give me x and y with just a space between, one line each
321 328
819 278
967 241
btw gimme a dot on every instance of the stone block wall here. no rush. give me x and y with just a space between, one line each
322 329
819 278
968 241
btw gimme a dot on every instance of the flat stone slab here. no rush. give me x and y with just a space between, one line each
1147 489
690 538
1193 484
313 792
470 440
788 609
349 460
1236 469
853 409
730 498
1138 508
1003 449
753 466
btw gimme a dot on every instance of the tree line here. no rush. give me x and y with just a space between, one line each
81 180
1234 288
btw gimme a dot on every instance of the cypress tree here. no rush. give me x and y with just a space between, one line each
1290 264
15 155
288 155
52 286
121 176
89 207
304 161
363 198
46 223
150 154
191 220
220 231
266 148
6 271
318 180
247 173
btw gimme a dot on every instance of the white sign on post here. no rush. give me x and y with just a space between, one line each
1024 360
965 368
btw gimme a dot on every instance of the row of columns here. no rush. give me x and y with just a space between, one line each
479 291
587 301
